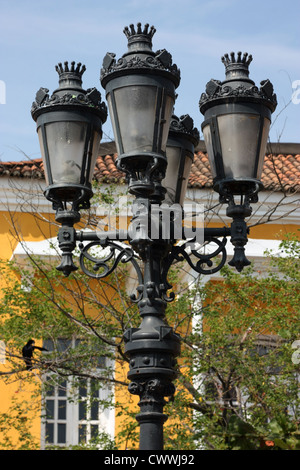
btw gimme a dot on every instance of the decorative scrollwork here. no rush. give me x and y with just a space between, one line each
162 61
91 99
179 253
215 90
104 266
164 287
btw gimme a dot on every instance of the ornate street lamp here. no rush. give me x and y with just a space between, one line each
140 91
155 150
69 127
237 118
182 140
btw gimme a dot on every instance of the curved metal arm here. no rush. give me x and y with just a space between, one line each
107 264
179 253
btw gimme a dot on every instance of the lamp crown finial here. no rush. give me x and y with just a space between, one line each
246 59
70 74
131 31
77 70
237 64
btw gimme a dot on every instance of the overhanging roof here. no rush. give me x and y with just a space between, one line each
281 171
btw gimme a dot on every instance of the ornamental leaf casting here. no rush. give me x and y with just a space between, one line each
161 61
91 99
214 91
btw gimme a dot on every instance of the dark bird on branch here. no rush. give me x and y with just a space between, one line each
27 352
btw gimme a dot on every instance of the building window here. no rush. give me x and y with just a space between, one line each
89 411
72 411
57 412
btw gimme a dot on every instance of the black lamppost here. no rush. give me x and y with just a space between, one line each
236 127
155 150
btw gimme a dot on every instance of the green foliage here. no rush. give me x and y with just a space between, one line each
40 304
17 421
237 385
103 441
244 385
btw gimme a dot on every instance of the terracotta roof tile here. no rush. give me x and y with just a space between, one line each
280 171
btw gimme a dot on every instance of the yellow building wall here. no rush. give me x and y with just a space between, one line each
29 228
269 231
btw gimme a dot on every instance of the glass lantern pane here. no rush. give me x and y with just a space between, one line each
40 136
263 145
166 119
136 107
171 179
95 150
239 135
185 177
209 149
66 143
174 180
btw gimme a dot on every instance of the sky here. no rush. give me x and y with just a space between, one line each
35 35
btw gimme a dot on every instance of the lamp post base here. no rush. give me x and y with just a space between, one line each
152 350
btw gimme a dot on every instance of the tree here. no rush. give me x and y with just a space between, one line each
237 386
244 383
